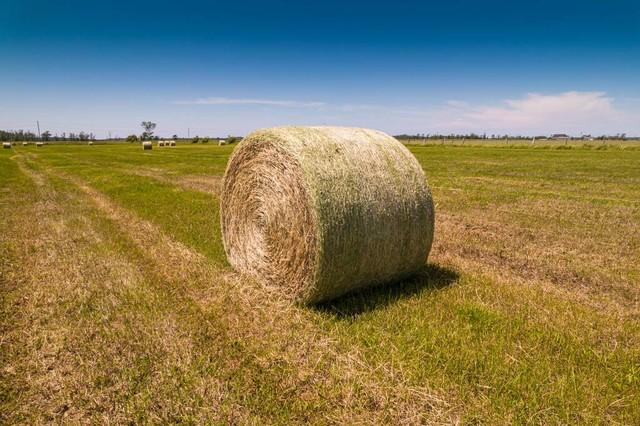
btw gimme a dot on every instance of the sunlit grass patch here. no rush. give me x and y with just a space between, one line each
527 312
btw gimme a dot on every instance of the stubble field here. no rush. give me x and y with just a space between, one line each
118 305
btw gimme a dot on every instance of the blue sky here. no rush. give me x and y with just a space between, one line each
221 68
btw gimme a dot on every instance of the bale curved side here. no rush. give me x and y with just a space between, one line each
341 209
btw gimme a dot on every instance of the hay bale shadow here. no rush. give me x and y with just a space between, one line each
431 277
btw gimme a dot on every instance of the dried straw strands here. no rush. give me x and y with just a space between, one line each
321 211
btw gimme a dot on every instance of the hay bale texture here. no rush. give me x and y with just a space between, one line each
147 145
321 211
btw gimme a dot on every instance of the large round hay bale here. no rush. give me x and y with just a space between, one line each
6 145
39 144
321 211
25 143
147 145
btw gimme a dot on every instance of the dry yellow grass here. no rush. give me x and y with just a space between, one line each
117 306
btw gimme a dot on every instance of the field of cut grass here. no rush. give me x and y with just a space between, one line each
118 305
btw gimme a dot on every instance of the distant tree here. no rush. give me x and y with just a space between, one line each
232 139
195 140
46 135
132 138
204 140
148 127
174 137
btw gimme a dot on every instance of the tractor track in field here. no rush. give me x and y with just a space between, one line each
278 328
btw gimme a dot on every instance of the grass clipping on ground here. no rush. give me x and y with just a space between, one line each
321 211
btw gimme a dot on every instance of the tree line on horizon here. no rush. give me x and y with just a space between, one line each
426 136
26 135
148 127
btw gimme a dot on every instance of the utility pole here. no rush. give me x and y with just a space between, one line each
109 134
188 133
38 123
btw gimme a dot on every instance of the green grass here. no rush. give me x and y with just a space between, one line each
526 313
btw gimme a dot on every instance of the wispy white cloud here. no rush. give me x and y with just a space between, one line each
567 111
571 112
241 101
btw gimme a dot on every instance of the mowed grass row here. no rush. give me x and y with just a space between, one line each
499 342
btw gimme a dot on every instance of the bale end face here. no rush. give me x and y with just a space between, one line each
146 145
323 211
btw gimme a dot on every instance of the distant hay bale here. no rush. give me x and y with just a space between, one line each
25 143
90 143
160 143
147 145
39 144
222 142
321 211
172 143
6 145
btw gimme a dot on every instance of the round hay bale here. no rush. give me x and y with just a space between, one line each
39 144
25 143
147 145
161 143
172 143
90 143
6 145
322 211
